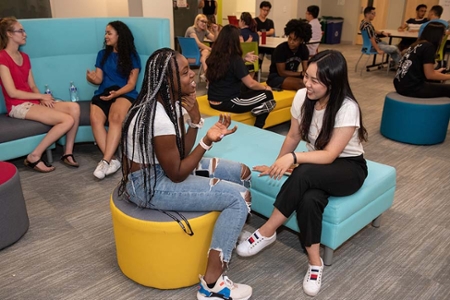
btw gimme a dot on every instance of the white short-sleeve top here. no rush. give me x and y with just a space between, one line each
347 116
163 126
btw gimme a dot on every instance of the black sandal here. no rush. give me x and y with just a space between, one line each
34 166
68 162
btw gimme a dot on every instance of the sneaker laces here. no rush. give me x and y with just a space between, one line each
103 164
229 283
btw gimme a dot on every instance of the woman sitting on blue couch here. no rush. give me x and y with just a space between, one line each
24 101
117 70
326 115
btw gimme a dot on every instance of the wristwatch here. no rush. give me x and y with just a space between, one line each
199 125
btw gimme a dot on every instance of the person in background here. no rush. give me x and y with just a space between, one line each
199 31
413 24
164 169
248 28
288 56
434 15
226 74
312 12
209 9
416 68
328 118
24 101
116 72
264 24
374 35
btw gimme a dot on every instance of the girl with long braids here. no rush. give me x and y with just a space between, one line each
117 70
24 100
163 168
326 115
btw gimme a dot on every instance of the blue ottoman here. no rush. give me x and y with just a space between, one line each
343 217
418 121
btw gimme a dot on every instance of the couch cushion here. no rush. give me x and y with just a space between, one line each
14 129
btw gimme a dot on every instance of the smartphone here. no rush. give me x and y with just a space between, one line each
203 173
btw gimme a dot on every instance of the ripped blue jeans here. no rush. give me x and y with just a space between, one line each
222 186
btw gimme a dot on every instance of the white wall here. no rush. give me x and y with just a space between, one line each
349 11
303 4
159 9
79 8
282 11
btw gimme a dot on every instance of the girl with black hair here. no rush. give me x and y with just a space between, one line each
287 57
164 169
117 70
326 115
416 68
248 28
226 75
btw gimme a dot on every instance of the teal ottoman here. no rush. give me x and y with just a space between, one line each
417 121
343 216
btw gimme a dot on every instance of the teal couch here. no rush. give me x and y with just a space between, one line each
61 50
343 217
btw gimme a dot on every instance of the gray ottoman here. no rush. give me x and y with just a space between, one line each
13 212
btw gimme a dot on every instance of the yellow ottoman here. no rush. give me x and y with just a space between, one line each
154 251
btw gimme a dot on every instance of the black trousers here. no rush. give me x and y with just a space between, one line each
307 190
248 99
429 90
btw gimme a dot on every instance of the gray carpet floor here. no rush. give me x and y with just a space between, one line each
69 251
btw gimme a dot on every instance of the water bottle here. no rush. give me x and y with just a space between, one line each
47 90
73 92
263 37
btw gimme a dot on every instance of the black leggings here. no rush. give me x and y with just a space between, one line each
429 90
247 100
307 190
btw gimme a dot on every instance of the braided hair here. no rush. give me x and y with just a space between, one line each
161 84
126 49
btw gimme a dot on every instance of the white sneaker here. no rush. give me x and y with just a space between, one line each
224 289
254 244
114 165
100 171
313 280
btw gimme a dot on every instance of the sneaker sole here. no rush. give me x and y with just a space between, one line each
203 297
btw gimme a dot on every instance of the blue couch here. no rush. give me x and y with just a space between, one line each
343 216
61 50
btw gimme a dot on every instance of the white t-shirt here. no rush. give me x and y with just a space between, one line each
316 28
347 116
163 126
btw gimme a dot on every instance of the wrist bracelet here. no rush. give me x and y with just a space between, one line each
295 157
204 146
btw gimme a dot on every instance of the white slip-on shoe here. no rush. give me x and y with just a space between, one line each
114 165
102 168
254 244
223 289
313 279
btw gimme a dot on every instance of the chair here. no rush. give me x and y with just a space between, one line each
440 53
190 50
233 21
367 50
249 47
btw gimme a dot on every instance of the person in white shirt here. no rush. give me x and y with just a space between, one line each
312 12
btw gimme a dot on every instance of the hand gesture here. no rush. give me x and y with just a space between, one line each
279 167
250 57
220 129
214 27
47 100
91 75
112 95
440 70
189 102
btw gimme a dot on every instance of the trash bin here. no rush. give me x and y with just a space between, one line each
323 23
334 30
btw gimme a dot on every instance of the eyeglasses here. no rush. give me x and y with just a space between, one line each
203 21
266 9
21 31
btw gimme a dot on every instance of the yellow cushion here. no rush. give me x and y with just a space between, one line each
160 254
281 113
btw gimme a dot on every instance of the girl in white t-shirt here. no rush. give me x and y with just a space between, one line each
326 115
163 168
